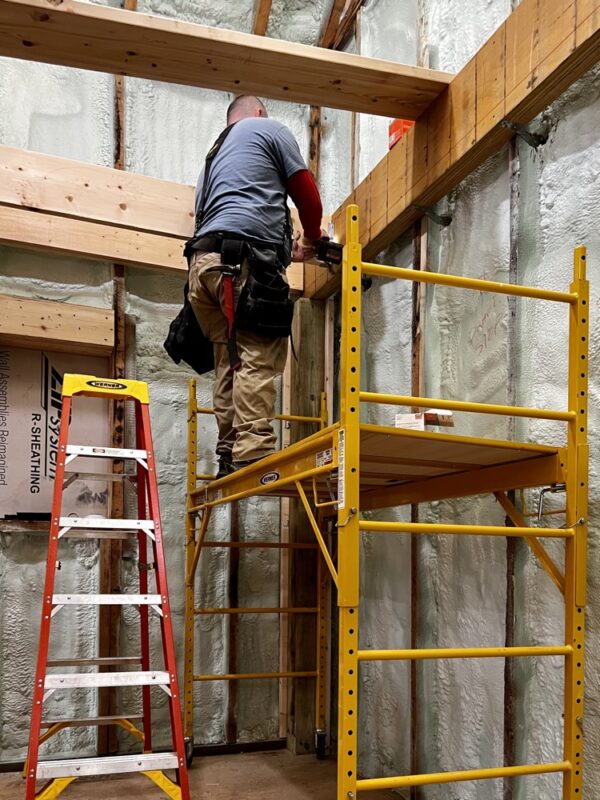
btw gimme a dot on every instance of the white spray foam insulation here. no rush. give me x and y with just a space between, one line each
388 30
463 581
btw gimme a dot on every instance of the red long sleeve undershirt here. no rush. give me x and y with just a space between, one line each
303 190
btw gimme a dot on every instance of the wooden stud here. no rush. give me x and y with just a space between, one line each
105 39
314 150
63 327
307 380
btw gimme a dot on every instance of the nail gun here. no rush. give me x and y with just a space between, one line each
329 252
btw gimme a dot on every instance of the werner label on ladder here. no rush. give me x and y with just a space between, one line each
146 528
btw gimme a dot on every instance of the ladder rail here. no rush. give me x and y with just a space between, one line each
49 581
148 530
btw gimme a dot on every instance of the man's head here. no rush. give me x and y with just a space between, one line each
245 105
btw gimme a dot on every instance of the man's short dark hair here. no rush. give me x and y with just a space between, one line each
243 102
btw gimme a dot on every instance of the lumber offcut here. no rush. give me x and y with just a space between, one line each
107 39
538 52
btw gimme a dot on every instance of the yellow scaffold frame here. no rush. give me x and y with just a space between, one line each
427 466
195 544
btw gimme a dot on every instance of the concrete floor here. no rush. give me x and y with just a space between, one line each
274 775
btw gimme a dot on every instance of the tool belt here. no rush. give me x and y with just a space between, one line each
264 304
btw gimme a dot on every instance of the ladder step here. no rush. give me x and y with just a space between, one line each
124 536
104 452
100 679
106 524
90 721
75 767
102 661
107 599
99 476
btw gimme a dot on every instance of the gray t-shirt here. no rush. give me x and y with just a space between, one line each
246 185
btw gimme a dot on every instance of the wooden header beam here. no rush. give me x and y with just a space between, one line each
81 210
538 52
96 37
62 327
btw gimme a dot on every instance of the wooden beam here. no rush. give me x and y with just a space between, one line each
62 327
105 39
99 194
80 238
20 227
261 17
330 28
538 52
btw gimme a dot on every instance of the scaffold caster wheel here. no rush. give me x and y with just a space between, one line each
320 744
189 752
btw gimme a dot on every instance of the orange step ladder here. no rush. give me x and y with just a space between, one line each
147 529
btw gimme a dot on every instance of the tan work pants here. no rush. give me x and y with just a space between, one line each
244 400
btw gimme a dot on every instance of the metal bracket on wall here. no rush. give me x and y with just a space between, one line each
444 219
532 139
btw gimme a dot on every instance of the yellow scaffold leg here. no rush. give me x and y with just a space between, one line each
54 788
166 784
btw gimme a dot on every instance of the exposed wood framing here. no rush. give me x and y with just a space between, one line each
100 194
346 27
48 232
111 552
330 28
261 17
307 379
107 39
62 327
314 153
68 207
540 50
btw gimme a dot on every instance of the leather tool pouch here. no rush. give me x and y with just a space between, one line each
264 305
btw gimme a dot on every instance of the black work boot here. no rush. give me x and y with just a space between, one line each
241 464
225 466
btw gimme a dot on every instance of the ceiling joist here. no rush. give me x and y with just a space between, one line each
332 23
96 37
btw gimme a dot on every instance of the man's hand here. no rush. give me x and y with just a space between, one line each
304 249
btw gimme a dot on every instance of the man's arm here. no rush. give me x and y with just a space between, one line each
303 190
